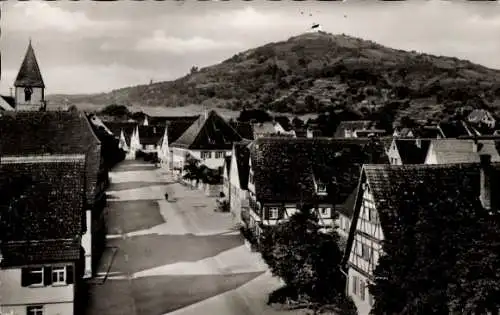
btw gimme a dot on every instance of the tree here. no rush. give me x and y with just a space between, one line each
429 268
192 169
258 114
115 110
306 258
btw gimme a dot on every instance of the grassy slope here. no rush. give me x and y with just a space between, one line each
309 72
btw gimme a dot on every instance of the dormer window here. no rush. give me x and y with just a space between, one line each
321 188
27 94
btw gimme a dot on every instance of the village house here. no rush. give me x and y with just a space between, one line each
29 86
448 151
7 103
29 134
174 129
238 181
482 117
376 209
285 173
209 139
41 258
270 128
408 151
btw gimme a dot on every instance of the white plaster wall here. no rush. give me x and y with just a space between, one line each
11 291
87 245
363 307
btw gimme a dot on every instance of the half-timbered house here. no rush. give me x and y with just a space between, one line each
377 210
286 173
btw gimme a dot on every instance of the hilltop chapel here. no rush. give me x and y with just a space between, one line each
29 87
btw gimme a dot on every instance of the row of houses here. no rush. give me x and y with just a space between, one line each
350 184
53 175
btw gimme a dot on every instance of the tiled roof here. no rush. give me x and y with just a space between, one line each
244 129
417 185
284 121
286 169
388 182
352 125
412 151
42 200
150 134
11 101
176 128
52 132
454 129
209 132
462 150
39 252
242 153
29 73
427 132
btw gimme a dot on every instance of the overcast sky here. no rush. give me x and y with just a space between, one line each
86 47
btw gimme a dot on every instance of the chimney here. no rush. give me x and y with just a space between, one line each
487 181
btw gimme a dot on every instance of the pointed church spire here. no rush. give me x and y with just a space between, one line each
29 74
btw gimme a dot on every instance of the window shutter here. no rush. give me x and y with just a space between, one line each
69 274
47 275
25 277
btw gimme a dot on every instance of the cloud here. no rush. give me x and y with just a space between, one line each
41 16
78 79
160 42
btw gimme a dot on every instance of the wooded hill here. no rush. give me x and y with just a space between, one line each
313 71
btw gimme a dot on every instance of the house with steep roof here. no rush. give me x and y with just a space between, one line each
377 211
209 139
174 129
33 134
270 128
41 227
408 151
238 181
482 117
286 173
123 131
450 151
29 85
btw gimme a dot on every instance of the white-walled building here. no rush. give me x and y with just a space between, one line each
209 139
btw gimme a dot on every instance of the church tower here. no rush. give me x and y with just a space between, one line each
29 86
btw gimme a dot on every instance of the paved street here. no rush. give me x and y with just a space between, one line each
173 257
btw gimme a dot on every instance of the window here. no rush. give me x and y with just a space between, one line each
206 155
321 188
355 285
362 290
32 276
219 154
27 94
365 251
325 212
34 310
250 178
59 275
273 213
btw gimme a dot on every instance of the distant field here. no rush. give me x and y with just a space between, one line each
172 111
